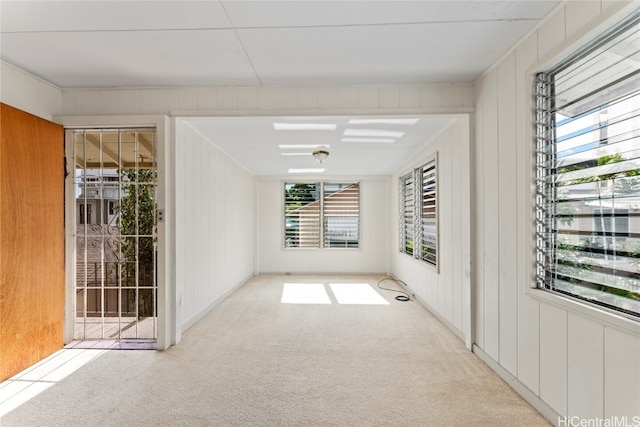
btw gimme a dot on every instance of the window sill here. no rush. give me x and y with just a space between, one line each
600 315
322 249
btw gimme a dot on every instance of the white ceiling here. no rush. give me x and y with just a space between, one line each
122 44
254 143
220 43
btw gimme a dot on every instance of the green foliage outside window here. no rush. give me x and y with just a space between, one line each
136 222
565 216
298 195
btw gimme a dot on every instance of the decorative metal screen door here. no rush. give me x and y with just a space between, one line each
115 180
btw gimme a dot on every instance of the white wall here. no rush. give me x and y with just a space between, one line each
444 290
272 101
260 101
577 361
29 93
214 225
370 257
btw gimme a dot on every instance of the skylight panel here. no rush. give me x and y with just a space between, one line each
373 133
305 126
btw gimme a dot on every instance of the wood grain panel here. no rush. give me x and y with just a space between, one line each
31 240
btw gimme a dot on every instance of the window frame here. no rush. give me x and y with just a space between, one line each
422 205
403 182
284 211
328 211
419 192
546 249
322 215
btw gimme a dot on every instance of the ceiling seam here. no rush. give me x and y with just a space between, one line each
244 49
279 27
389 24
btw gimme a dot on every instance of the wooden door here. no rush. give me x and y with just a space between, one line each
31 240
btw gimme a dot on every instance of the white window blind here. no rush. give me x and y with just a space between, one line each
588 172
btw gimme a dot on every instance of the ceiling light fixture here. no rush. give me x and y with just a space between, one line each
373 132
304 126
320 154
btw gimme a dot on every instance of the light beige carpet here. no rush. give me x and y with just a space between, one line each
256 361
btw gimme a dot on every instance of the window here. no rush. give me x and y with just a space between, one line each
341 215
302 215
111 207
588 173
419 221
611 222
323 215
406 213
428 213
85 213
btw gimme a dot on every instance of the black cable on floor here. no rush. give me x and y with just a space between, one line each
404 297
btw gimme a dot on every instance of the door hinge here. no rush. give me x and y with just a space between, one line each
66 169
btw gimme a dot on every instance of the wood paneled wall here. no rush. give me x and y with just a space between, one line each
31 239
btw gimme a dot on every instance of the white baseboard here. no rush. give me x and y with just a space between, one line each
534 400
317 273
438 316
195 319
531 398
430 309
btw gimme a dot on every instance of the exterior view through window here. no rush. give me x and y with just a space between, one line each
115 182
588 173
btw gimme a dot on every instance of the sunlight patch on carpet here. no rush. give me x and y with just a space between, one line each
304 293
29 383
357 293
